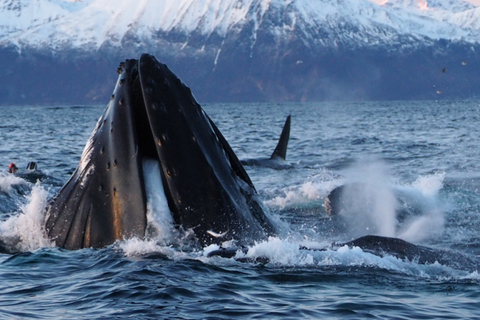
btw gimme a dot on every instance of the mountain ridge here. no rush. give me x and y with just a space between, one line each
91 24
245 50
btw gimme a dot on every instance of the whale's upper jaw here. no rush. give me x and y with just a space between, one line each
153 115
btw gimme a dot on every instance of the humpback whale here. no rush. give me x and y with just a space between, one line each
279 155
404 250
153 115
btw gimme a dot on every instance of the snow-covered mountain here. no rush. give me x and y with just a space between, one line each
91 24
267 49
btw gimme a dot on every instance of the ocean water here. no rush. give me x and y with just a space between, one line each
418 163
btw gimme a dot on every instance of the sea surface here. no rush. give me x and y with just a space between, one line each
418 165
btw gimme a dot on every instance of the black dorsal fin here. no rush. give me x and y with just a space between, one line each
281 149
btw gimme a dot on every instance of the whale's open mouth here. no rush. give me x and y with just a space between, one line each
153 115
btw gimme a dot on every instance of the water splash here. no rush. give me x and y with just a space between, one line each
285 252
8 181
309 193
431 222
370 200
429 185
376 201
137 247
26 230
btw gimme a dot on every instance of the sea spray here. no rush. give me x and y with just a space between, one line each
431 222
27 228
309 193
429 185
137 247
278 251
288 253
7 181
421 228
369 199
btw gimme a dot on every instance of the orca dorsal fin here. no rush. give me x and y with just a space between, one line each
281 149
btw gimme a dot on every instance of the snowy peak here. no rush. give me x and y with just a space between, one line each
95 22
438 19
452 6
21 15
91 24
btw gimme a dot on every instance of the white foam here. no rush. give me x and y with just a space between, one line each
429 185
7 181
472 276
430 223
138 247
210 248
314 190
278 251
28 226
285 252
291 253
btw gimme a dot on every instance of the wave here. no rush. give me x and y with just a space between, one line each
25 231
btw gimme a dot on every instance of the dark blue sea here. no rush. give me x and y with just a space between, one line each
418 163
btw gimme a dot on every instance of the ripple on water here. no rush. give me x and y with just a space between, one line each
415 139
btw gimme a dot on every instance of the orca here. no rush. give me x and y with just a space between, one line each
153 116
279 155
